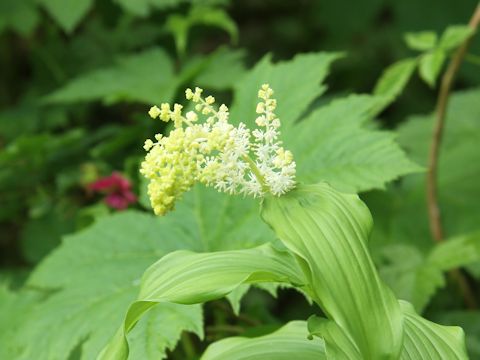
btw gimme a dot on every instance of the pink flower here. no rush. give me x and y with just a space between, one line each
117 190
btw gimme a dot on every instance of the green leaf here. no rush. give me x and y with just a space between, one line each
430 66
69 16
97 273
453 36
15 308
151 337
333 144
288 342
146 77
416 277
180 25
144 7
185 277
338 345
21 16
470 322
408 221
393 80
421 41
222 70
296 84
328 232
427 340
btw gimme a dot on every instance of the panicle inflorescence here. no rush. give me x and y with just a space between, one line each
230 158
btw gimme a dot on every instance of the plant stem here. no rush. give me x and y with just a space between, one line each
187 345
432 190
256 172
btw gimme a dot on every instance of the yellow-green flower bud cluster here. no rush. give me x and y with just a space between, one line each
215 152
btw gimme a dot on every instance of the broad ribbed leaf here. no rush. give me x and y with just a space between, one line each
427 340
328 232
287 343
470 322
185 277
146 77
338 345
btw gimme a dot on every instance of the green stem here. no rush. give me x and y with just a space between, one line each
188 346
256 172
434 217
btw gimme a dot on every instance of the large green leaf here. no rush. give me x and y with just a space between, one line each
185 277
427 340
333 144
15 308
296 84
415 277
288 342
469 321
458 190
146 77
338 345
97 273
220 70
328 232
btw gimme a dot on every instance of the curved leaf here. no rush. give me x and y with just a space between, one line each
185 277
95 274
427 340
288 342
338 345
328 233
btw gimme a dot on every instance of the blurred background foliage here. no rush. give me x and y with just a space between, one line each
77 78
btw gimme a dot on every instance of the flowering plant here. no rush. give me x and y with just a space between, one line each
216 153
324 234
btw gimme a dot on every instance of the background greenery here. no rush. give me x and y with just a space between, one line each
76 83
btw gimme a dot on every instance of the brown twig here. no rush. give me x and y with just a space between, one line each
432 190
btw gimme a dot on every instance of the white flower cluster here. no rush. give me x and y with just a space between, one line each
217 153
